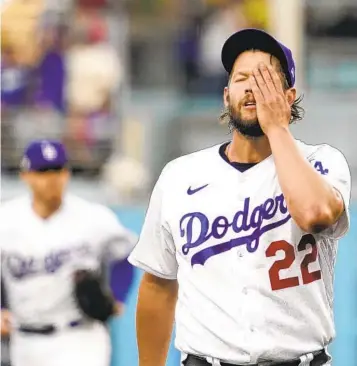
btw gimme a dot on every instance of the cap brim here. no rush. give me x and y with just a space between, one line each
249 39
26 166
53 168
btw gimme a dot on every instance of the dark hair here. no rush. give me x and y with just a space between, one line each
297 111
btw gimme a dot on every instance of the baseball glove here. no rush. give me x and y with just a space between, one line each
91 296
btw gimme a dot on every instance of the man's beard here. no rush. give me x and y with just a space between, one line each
249 128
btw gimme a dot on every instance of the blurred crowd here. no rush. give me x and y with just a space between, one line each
202 34
336 19
66 64
60 70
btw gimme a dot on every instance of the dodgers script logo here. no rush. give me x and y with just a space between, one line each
21 266
242 221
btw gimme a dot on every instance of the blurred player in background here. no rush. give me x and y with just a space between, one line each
241 238
53 246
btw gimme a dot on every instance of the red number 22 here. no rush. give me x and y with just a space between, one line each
278 283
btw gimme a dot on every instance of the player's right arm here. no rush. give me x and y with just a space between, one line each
154 319
155 254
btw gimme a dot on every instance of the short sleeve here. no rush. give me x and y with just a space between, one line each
333 167
155 251
118 241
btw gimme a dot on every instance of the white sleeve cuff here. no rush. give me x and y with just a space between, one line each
150 270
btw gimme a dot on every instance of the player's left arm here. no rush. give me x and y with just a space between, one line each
120 277
317 191
315 203
117 242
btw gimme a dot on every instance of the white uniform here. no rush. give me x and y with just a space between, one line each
38 260
252 285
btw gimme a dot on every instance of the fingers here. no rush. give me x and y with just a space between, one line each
258 95
268 80
261 82
265 78
266 83
275 79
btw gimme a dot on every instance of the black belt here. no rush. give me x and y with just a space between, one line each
320 358
47 329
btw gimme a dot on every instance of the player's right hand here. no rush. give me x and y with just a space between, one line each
272 102
5 322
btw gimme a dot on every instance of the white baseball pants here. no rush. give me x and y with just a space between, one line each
80 346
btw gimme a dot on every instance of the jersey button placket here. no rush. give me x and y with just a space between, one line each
244 301
251 310
255 331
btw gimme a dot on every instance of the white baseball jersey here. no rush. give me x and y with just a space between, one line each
253 286
39 256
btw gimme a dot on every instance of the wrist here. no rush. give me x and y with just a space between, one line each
277 132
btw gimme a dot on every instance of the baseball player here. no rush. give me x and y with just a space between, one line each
53 245
240 239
